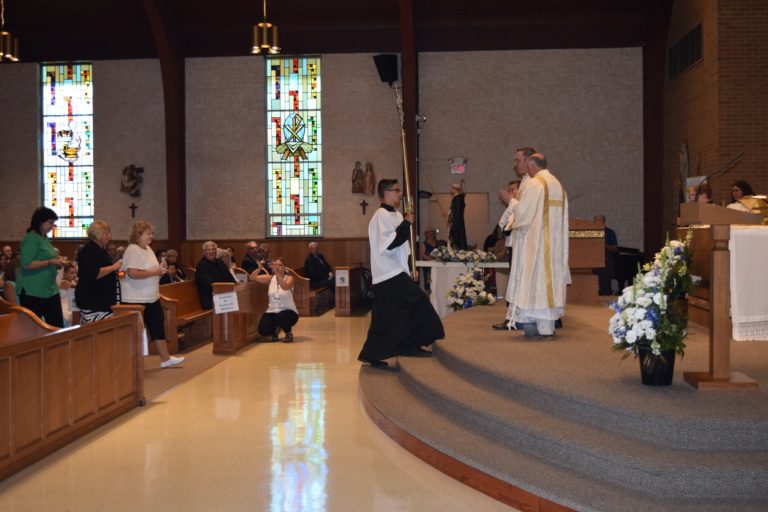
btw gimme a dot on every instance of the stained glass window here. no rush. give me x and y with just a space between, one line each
67 146
294 147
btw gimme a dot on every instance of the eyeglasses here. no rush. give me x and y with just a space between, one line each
393 190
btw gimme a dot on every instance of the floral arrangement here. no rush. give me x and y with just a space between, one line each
446 254
469 290
648 314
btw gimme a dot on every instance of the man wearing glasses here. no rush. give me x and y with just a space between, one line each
403 320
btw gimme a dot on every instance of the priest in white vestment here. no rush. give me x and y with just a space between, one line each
505 222
539 273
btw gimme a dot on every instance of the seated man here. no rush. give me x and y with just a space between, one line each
605 274
262 256
210 270
319 272
250 261
175 272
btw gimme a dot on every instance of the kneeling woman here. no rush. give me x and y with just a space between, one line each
281 313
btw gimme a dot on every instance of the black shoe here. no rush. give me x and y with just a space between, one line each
559 323
503 326
288 338
376 363
274 337
415 352
543 337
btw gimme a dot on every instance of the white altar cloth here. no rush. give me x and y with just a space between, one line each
444 276
749 282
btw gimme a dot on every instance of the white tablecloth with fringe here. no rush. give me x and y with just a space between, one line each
749 282
444 276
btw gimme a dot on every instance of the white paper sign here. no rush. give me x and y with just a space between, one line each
342 277
225 303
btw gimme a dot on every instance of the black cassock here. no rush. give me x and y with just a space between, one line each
402 319
458 232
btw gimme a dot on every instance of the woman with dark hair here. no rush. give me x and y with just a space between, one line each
739 190
282 312
36 280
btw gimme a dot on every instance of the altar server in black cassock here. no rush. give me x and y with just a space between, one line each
403 320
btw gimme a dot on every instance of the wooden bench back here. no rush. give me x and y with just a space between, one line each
21 324
185 295
9 293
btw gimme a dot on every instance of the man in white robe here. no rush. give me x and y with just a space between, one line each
540 274
402 319
505 222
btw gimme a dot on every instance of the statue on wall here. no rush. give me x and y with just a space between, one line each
357 179
131 181
369 179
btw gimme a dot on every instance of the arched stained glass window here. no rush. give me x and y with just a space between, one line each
294 147
67 146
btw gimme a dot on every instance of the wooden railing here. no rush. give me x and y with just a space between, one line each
59 384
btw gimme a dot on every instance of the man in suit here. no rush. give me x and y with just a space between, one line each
319 272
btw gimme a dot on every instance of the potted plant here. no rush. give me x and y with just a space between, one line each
650 317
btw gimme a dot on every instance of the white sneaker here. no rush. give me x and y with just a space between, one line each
173 361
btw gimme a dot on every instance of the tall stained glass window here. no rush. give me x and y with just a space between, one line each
294 147
67 145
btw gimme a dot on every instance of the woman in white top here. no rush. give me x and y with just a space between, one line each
281 313
141 285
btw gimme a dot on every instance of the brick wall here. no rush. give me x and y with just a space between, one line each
719 105
742 27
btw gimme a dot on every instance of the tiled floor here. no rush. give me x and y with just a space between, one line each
277 428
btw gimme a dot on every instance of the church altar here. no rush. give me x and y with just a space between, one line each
748 246
749 282
444 276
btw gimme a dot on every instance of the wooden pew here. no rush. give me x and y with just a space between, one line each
9 293
308 299
182 310
233 331
60 384
351 297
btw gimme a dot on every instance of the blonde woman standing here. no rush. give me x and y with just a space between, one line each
141 286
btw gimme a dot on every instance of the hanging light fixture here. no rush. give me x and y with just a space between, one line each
265 38
9 45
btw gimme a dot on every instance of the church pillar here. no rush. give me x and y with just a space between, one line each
172 69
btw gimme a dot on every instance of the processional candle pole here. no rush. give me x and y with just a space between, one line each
408 203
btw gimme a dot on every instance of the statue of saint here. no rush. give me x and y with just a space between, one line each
369 179
357 179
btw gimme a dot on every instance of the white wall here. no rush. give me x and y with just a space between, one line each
581 108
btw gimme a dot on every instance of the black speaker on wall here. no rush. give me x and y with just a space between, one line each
386 64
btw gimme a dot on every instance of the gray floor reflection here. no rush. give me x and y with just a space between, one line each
299 470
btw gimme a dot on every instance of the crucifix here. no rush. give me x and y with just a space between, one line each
133 208
364 205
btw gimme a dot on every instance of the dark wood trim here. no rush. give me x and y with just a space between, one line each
654 68
172 69
473 477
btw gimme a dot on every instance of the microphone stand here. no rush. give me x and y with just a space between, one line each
718 172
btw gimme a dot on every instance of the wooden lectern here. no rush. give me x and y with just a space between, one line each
719 219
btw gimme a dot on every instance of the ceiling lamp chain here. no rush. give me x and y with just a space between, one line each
9 45
265 36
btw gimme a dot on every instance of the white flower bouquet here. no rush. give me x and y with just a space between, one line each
446 254
648 314
469 290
